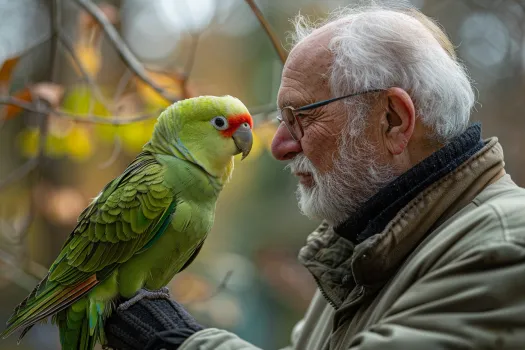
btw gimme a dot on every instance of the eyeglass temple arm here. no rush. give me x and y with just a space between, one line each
323 103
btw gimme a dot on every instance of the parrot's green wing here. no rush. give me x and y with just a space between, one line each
123 219
129 214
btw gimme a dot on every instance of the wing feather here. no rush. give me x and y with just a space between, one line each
129 214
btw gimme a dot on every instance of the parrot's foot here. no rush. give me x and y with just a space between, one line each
162 293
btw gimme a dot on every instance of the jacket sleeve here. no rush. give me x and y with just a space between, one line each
213 338
474 302
216 339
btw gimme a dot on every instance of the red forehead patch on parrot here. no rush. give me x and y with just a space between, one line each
235 121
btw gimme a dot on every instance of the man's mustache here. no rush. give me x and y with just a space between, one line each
301 164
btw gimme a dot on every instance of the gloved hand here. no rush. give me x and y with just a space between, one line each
149 321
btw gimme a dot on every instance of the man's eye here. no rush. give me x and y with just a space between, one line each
303 116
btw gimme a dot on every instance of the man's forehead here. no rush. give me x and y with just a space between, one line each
313 50
309 63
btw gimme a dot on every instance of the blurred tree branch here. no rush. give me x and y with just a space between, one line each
268 29
26 278
123 50
83 118
190 62
19 172
89 80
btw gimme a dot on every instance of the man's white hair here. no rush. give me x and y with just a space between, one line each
391 44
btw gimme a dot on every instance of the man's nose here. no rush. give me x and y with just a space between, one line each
284 147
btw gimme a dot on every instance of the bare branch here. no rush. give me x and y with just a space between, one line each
26 280
26 223
85 75
82 118
19 172
268 29
222 286
56 18
263 114
122 84
123 50
190 62
43 127
114 155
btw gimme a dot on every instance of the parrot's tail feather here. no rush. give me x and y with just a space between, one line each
43 303
69 299
74 326
24 332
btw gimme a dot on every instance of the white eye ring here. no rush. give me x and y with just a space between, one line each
220 123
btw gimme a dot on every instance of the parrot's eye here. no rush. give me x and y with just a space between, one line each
220 123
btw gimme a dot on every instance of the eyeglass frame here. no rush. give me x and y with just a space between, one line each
312 106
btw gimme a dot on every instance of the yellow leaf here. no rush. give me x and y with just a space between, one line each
28 142
265 132
90 59
55 146
78 143
171 83
79 100
106 132
134 136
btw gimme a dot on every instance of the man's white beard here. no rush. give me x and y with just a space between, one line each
356 176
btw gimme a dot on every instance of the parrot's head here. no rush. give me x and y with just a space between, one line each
207 130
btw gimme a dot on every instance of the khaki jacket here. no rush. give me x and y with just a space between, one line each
448 272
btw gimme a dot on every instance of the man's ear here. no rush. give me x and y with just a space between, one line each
400 121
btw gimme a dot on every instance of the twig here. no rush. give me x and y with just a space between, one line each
123 50
26 223
82 118
43 127
114 155
26 280
85 75
266 26
218 290
222 285
122 84
56 18
264 118
190 62
19 172
263 114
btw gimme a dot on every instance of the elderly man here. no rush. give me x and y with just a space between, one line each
423 240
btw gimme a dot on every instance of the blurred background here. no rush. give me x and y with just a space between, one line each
246 278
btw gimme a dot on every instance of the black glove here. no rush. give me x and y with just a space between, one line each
149 321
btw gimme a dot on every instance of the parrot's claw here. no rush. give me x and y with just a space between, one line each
162 293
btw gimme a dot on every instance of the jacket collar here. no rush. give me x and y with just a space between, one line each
338 265
373 216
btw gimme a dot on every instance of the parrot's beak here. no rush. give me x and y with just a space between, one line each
243 139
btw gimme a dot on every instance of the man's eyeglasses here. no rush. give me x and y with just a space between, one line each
289 117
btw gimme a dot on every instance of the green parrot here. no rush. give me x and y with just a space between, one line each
145 225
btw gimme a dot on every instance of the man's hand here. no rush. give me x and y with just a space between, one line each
149 321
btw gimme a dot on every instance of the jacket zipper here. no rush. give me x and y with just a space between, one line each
331 302
324 294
